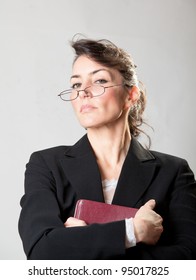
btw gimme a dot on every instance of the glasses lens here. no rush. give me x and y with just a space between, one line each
71 94
68 95
97 90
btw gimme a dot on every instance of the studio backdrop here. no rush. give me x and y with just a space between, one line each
35 65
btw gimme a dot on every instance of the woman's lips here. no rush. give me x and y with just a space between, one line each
86 108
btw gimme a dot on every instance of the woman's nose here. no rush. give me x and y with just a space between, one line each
85 92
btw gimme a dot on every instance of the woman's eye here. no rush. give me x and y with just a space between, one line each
101 81
76 85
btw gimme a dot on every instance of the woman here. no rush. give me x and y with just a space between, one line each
108 165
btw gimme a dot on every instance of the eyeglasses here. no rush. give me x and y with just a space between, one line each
92 91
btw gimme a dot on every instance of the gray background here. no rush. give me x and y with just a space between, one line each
35 65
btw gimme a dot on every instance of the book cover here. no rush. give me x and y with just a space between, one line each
99 212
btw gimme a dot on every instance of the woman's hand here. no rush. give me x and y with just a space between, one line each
147 224
73 222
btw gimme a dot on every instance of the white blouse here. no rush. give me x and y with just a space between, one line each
109 187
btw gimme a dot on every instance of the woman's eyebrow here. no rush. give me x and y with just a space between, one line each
92 73
75 76
102 69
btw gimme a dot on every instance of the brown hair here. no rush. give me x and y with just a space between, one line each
108 54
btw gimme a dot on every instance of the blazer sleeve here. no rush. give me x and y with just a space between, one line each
179 238
42 230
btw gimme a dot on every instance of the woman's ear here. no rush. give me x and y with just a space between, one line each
133 96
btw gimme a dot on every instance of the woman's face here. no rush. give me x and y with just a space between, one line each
106 109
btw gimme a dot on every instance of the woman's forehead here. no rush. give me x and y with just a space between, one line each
87 66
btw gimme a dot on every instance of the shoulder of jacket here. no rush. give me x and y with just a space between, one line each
164 157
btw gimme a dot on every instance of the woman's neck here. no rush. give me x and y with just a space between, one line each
110 146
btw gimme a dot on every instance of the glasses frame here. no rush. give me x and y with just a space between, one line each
64 92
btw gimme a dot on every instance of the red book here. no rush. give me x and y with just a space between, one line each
99 212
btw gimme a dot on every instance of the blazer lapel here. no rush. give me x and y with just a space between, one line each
136 175
81 170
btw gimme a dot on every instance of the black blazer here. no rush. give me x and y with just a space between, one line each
56 178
